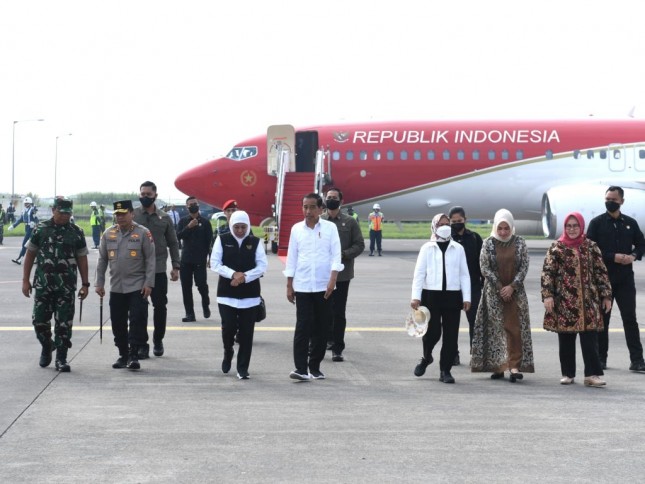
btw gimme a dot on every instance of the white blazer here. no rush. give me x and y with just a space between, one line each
428 273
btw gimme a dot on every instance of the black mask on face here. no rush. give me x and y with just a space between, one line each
146 201
612 206
193 208
457 227
332 204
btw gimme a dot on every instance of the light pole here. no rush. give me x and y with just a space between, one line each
56 161
13 154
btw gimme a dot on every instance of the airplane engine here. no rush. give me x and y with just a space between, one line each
587 200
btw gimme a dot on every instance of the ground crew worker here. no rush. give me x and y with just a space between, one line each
376 228
30 219
129 250
59 249
95 223
165 237
102 218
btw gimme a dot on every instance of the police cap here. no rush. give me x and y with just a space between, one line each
63 205
123 206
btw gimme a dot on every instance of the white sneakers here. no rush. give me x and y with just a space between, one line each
594 381
565 380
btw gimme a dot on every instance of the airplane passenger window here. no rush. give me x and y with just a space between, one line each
460 154
349 154
616 154
519 155
446 154
641 154
576 154
549 154
335 155
363 155
590 154
390 155
491 155
603 154
377 155
475 155
404 155
417 155
504 154
430 155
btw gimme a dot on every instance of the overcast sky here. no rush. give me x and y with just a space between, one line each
151 88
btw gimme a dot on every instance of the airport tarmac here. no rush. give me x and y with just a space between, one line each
180 419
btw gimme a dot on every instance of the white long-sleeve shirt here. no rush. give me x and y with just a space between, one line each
312 255
428 272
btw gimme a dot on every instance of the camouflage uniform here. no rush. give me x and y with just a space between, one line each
57 248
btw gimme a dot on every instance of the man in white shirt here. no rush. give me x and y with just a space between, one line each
313 264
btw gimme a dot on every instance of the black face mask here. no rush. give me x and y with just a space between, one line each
332 204
147 201
612 206
457 227
193 208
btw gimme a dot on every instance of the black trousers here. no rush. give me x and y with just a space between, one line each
589 347
159 298
624 293
242 322
375 238
445 310
313 317
188 271
339 323
130 306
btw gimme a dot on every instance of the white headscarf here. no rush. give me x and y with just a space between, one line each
503 215
240 217
435 224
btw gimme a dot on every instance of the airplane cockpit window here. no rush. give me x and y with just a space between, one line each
417 155
476 155
376 155
590 154
549 154
576 154
505 155
430 155
491 155
335 155
363 155
390 155
603 154
404 155
446 154
461 155
641 154
349 154
519 155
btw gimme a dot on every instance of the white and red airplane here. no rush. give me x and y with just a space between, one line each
540 170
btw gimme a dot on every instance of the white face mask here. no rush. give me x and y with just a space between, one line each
443 232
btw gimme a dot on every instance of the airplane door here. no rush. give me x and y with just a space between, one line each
617 158
280 144
306 147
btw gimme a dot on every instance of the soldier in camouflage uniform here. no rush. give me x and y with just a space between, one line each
59 250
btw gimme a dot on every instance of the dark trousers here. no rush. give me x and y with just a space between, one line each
96 235
1 233
589 347
339 323
132 306
445 309
624 293
187 272
25 239
375 238
313 317
240 322
159 298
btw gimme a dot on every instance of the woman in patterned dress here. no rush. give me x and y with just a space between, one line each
502 332
575 287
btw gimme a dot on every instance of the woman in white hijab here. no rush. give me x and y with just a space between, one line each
502 332
239 259
441 283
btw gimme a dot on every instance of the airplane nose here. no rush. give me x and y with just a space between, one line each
198 179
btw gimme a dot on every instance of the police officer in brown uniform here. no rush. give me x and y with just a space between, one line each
129 250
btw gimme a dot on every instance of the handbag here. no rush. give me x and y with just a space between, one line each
262 311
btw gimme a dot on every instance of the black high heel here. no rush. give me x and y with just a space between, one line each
497 376
515 376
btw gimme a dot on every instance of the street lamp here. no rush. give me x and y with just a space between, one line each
56 160
13 153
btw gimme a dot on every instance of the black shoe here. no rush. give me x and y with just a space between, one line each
603 364
133 362
420 369
122 362
157 348
63 366
317 375
456 362
242 375
16 261
379 253
296 375
207 312
46 354
226 362
446 377
497 376
337 356
143 352
637 366
513 377
190 318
